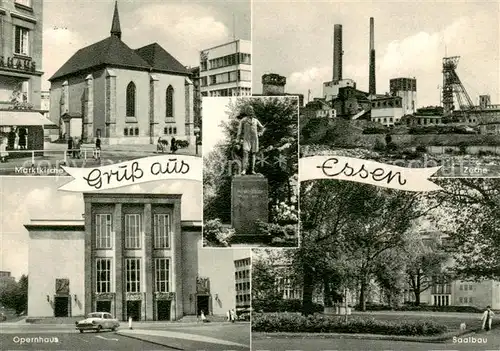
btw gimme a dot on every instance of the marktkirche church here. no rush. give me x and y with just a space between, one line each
122 95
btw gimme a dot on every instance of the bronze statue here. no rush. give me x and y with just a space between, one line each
249 131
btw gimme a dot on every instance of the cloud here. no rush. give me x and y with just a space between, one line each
193 26
311 78
59 44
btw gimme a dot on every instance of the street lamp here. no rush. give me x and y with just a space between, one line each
197 135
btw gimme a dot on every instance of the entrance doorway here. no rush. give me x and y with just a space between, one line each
163 310
134 310
202 304
103 306
61 306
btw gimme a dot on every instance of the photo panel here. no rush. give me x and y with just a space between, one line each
250 171
400 266
398 83
134 254
117 87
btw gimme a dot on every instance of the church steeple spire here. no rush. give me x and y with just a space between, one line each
115 26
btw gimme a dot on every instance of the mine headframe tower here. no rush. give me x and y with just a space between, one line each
452 86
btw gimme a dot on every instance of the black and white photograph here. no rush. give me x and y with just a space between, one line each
414 84
383 269
250 171
86 83
123 269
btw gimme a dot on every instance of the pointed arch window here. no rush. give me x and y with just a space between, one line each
170 102
130 102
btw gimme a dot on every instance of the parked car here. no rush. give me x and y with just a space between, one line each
98 321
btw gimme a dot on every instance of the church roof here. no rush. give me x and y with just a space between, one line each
110 51
161 60
115 24
114 52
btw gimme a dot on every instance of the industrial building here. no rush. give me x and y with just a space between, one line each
226 70
132 255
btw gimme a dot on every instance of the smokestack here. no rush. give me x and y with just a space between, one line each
337 52
372 84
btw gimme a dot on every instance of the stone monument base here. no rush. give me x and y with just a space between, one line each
249 203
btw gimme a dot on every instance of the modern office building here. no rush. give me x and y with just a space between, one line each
226 70
242 282
133 256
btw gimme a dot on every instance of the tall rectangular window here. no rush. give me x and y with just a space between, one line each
162 274
133 229
21 41
161 230
103 231
23 2
133 274
103 275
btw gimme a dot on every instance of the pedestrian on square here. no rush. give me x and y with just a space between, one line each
97 148
487 318
75 147
202 316
233 315
173 145
228 315
3 150
70 146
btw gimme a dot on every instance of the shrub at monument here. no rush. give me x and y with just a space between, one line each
216 234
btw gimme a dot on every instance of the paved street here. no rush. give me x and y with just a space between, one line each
147 336
263 343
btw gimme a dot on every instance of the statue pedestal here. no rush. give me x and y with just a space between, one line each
249 202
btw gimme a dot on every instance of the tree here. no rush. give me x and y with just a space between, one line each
353 225
389 273
425 260
268 266
15 294
471 218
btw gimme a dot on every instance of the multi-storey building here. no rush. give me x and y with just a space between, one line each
406 89
226 70
133 256
242 282
21 28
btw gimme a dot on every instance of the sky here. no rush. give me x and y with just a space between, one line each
294 39
183 28
215 112
27 198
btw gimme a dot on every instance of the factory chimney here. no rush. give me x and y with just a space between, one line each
372 84
337 52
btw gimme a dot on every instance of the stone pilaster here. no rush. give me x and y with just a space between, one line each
119 274
88 118
177 259
189 113
148 260
154 123
89 259
110 113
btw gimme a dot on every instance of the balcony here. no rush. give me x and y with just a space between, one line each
17 64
